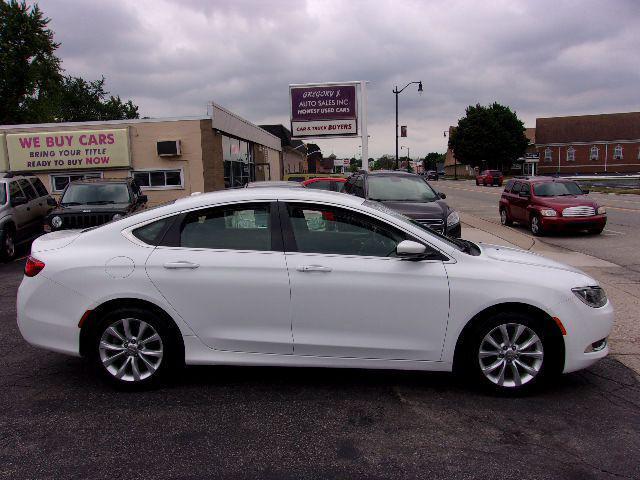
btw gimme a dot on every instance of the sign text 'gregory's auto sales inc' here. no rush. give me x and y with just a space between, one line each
68 150
323 110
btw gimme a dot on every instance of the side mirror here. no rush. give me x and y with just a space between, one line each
524 194
442 195
19 200
411 250
52 202
142 199
585 192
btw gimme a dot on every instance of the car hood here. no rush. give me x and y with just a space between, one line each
567 201
436 209
110 207
516 255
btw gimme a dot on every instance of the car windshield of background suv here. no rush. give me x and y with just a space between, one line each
556 189
400 189
94 194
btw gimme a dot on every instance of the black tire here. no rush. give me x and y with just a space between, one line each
477 182
535 225
171 359
505 219
550 362
596 230
7 244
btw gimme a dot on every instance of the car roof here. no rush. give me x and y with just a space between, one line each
102 180
273 183
541 179
389 173
325 179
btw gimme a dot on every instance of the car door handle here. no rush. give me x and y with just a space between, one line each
313 268
175 265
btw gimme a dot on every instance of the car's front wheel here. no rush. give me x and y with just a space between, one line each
509 353
134 349
535 225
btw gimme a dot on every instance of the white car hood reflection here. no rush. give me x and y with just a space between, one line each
516 255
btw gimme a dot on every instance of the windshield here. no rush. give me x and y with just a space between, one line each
556 189
404 219
3 194
95 194
400 189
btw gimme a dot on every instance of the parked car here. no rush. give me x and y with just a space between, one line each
24 202
333 184
408 194
92 202
301 177
548 204
272 184
490 177
161 288
431 175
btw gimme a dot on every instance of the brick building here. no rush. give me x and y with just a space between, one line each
607 143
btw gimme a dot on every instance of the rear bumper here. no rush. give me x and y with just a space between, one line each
574 223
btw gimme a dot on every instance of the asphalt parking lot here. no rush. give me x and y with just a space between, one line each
59 421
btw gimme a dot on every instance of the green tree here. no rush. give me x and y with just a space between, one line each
354 164
78 100
385 162
32 87
29 69
432 159
488 137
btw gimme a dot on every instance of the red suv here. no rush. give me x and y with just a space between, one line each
550 204
490 177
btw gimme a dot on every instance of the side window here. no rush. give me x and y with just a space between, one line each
3 194
332 230
14 190
39 186
321 185
526 188
340 185
234 227
507 187
152 233
28 189
516 188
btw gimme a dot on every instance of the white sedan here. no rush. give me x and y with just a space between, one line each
302 277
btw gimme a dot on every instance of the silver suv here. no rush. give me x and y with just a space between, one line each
24 202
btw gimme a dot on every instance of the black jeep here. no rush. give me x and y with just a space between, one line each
92 202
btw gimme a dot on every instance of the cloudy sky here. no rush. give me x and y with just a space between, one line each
542 58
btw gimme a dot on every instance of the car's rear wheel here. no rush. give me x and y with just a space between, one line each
504 217
508 353
535 225
7 244
134 349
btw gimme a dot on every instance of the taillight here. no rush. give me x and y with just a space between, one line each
33 267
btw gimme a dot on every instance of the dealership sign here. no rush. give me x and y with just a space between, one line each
65 150
323 110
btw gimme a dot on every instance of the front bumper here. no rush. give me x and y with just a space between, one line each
574 223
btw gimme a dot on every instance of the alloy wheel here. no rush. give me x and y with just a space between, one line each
535 225
9 245
503 216
511 355
131 350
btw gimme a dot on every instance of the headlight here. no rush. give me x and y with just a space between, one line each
116 216
601 211
453 219
592 296
56 222
548 212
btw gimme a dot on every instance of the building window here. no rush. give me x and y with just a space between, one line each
617 153
159 179
547 154
239 166
594 152
59 181
571 154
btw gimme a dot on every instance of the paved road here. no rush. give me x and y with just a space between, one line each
617 244
58 421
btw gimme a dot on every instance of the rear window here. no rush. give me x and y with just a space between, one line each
495 172
508 186
3 194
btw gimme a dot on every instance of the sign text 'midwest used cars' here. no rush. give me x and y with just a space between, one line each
65 149
323 110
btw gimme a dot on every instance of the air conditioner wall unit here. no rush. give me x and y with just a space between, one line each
169 148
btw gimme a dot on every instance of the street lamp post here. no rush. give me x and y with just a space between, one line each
398 92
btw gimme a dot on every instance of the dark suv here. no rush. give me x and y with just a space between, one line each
92 202
408 194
